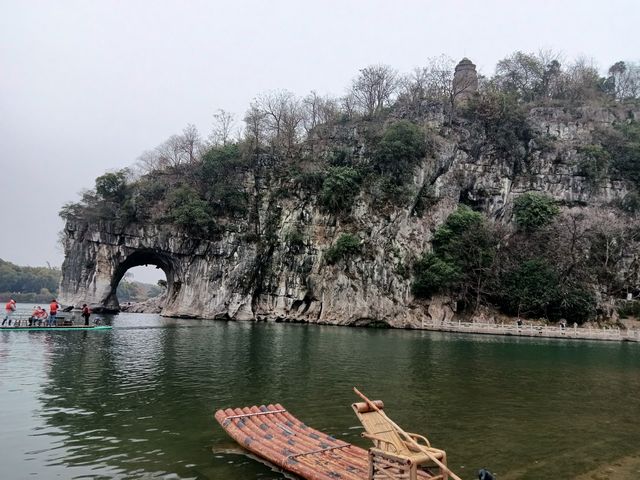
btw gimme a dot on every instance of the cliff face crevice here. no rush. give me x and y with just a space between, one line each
255 269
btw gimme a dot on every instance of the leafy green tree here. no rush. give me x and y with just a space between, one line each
112 185
400 149
534 210
536 288
464 251
187 210
433 274
339 189
530 288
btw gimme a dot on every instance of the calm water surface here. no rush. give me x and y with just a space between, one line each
138 401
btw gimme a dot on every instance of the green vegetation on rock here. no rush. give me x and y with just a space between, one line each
400 149
346 246
464 248
534 210
339 189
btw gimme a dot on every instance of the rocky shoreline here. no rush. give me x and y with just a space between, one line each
485 323
152 305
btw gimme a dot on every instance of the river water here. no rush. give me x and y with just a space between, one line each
138 401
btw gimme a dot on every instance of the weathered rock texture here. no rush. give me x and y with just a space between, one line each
254 271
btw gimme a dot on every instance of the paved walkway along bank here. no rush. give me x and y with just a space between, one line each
578 333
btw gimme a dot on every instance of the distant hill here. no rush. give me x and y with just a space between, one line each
40 285
28 284
132 291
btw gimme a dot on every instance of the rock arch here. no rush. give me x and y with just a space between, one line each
144 256
96 259
205 278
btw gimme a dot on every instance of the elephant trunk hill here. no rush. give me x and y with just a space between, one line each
388 218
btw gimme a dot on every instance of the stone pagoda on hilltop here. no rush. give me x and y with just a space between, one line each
465 80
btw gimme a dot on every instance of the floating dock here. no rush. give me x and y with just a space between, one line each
273 434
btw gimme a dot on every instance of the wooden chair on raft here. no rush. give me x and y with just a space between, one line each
397 454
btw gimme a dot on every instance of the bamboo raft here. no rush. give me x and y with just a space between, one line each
55 328
279 438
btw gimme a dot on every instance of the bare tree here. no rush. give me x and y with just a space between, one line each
439 74
437 82
282 116
413 87
172 152
520 73
149 161
581 80
223 126
191 142
318 110
624 80
255 127
374 87
348 105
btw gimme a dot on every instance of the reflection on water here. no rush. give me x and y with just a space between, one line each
137 401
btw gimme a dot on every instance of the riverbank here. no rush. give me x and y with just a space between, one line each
506 328
531 330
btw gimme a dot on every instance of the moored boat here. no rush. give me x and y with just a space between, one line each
280 439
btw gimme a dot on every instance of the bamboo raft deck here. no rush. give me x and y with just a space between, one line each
273 434
54 328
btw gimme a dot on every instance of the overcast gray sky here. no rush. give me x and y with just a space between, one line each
86 86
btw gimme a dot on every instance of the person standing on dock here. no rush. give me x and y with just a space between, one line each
53 311
86 313
9 309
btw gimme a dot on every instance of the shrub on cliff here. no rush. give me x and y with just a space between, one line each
499 128
220 178
400 149
594 164
189 211
623 143
534 210
345 246
339 189
112 186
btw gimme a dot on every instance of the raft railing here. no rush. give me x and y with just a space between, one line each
23 321
533 330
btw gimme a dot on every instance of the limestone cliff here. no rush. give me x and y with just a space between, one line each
253 270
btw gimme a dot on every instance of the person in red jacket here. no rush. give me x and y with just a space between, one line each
85 314
53 311
9 308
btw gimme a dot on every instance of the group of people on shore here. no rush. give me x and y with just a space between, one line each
39 316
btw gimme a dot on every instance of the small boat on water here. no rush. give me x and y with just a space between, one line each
61 324
280 439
